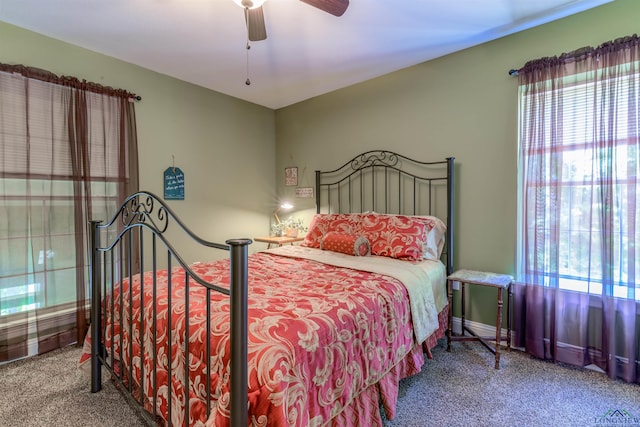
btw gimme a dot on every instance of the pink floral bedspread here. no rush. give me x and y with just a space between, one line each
324 343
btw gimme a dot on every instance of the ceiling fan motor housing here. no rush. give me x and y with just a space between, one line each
250 4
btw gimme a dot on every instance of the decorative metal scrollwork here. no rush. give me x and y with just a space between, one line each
375 158
145 212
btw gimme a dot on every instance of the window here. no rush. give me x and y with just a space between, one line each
68 153
38 243
579 185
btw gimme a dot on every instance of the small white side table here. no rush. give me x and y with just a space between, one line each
472 277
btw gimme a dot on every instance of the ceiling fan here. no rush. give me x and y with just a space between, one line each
254 16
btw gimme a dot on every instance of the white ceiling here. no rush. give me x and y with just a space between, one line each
307 52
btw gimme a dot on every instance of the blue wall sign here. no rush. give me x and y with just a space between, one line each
173 184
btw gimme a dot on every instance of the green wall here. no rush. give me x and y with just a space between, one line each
224 146
462 105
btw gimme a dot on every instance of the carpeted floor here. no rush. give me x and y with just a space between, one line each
460 388
50 390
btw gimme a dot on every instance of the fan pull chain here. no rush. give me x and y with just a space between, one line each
246 18
248 81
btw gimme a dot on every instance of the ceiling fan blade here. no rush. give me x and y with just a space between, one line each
255 24
334 7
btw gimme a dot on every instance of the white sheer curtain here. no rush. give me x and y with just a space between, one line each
577 295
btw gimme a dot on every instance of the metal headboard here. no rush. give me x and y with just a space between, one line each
387 182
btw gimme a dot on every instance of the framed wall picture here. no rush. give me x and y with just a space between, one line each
304 192
291 176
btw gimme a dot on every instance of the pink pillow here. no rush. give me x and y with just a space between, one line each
350 244
321 224
395 236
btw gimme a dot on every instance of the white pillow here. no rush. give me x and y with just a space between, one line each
434 243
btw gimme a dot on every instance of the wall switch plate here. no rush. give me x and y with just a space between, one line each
455 285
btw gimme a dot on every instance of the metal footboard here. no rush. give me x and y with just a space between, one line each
118 252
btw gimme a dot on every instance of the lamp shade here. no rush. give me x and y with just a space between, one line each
250 4
284 206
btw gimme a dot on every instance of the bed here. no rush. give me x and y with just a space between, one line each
315 334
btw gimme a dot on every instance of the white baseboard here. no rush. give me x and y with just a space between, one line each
480 329
485 330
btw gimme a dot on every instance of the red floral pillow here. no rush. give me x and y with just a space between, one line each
395 236
321 224
350 244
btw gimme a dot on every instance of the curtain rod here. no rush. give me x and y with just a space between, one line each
49 77
586 51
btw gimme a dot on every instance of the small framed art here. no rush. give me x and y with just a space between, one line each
304 192
291 176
